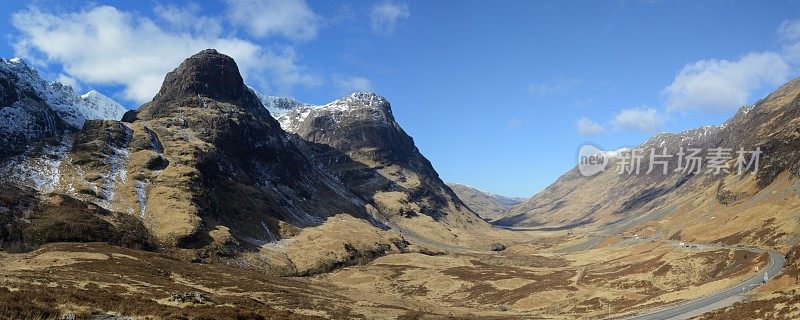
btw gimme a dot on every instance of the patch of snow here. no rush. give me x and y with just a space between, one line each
41 172
141 195
118 173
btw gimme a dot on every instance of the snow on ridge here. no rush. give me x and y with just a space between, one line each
98 106
73 109
278 106
291 114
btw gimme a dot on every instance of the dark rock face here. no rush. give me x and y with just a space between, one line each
209 74
205 75
8 92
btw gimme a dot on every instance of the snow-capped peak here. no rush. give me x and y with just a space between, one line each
93 94
359 105
360 99
98 106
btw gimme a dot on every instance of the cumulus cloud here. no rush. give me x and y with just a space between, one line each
386 15
106 46
723 85
639 119
352 84
292 19
587 127
559 85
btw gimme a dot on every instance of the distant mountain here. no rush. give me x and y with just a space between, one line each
278 106
487 205
32 109
357 140
754 207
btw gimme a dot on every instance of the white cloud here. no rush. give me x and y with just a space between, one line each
292 19
284 72
723 85
70 81
188 18
386 15
789 31
639 119
587 127
106 46
559 85
352 84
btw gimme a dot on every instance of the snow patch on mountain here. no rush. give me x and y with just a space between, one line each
118 173
39 170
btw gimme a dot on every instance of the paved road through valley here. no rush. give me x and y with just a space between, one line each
776 263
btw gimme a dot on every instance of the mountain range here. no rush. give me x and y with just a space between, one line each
211 175
730 207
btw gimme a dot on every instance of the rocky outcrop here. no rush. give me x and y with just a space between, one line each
29 221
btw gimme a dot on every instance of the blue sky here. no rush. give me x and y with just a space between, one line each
498 95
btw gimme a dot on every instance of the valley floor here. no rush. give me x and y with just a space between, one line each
544 276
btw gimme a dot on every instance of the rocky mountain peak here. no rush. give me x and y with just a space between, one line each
208 74
202 81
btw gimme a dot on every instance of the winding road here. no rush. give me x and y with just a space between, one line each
777 262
